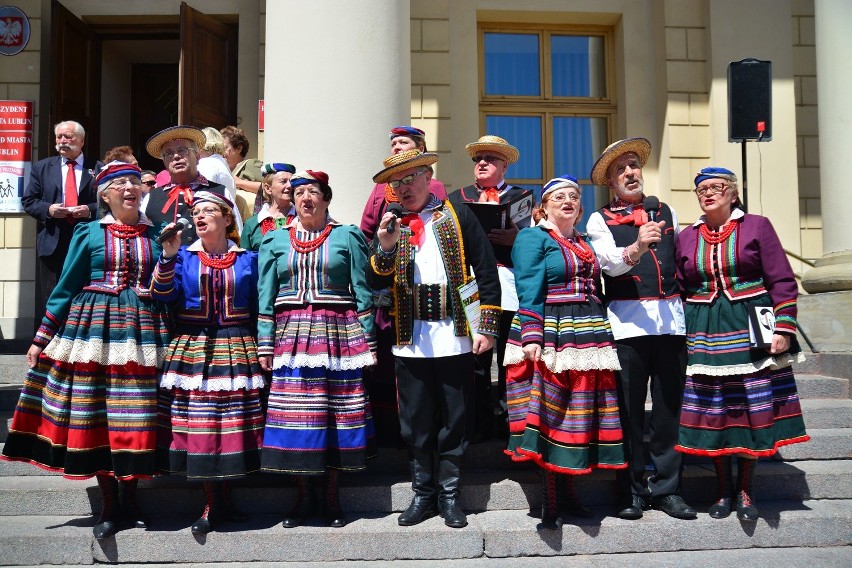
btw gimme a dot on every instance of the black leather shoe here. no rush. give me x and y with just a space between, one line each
454 517
105 529
421 508
720 509
201 526
746 509
674 506
634 510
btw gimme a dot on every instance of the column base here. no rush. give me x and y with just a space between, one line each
832 273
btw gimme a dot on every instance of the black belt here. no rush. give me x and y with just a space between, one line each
431 302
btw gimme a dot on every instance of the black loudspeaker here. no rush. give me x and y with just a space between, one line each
749 100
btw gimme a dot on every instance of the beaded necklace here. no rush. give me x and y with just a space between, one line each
126 231
310 245
390 194
226 261
715 238
270 224
580 248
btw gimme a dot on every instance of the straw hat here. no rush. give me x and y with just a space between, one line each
495 144
404 161
155 143
639 146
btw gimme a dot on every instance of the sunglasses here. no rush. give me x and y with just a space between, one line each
150 183
487 159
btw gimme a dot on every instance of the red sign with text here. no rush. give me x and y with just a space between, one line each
16 150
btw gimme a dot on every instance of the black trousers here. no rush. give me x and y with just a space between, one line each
487 403
434 403
662 358
48 271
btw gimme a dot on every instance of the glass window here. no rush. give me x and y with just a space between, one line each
577 66
512 64
521 132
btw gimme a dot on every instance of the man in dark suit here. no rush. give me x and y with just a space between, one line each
61 192
491 157
178 147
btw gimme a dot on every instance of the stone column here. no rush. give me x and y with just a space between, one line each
337 79
833 271
826 312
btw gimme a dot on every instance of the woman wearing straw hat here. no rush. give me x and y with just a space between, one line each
276 193
89 402
561 357
210 411
316 336
739 400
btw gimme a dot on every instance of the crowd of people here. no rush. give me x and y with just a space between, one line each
210 324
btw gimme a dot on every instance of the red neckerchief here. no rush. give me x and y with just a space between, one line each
415 223
637 217
492 194
174 192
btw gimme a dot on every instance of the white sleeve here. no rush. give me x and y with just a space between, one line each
609 255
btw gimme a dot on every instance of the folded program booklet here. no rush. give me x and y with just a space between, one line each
498 215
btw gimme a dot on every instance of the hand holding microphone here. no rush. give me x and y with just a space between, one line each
169 232
652 207
397 211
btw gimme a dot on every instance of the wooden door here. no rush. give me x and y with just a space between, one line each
153 106
75 81
208 70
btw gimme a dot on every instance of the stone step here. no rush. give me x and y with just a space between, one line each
821 386
798 557
13 368
827 413
493 534
367 494
825 444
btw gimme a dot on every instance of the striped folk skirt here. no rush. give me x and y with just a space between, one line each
318 414
89 406
736 399
210 413
563 410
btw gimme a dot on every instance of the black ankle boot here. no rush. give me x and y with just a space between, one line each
724 488
423 505
567 499
211 515
130 510
332 513
305 503
746 508
449 476
107 524
550 518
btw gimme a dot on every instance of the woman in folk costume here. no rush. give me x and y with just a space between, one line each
88 405
278 207
316 335
210 411
561 359
738 400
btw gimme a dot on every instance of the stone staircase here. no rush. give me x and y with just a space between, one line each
804 495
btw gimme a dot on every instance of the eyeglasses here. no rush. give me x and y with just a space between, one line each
487 159
181 151
406 180
120 183
711 189
150 183
205 212
561 197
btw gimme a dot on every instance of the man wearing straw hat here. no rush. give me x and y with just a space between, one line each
178 147
491 157
425 257
647 319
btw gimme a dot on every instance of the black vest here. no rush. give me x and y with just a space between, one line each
653 278
158 198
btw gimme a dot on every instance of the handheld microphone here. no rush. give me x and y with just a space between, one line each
397 211
652 207
181 225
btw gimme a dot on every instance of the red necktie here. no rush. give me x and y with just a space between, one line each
173 198
70 186
492 195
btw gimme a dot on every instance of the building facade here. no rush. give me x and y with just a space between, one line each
560 79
